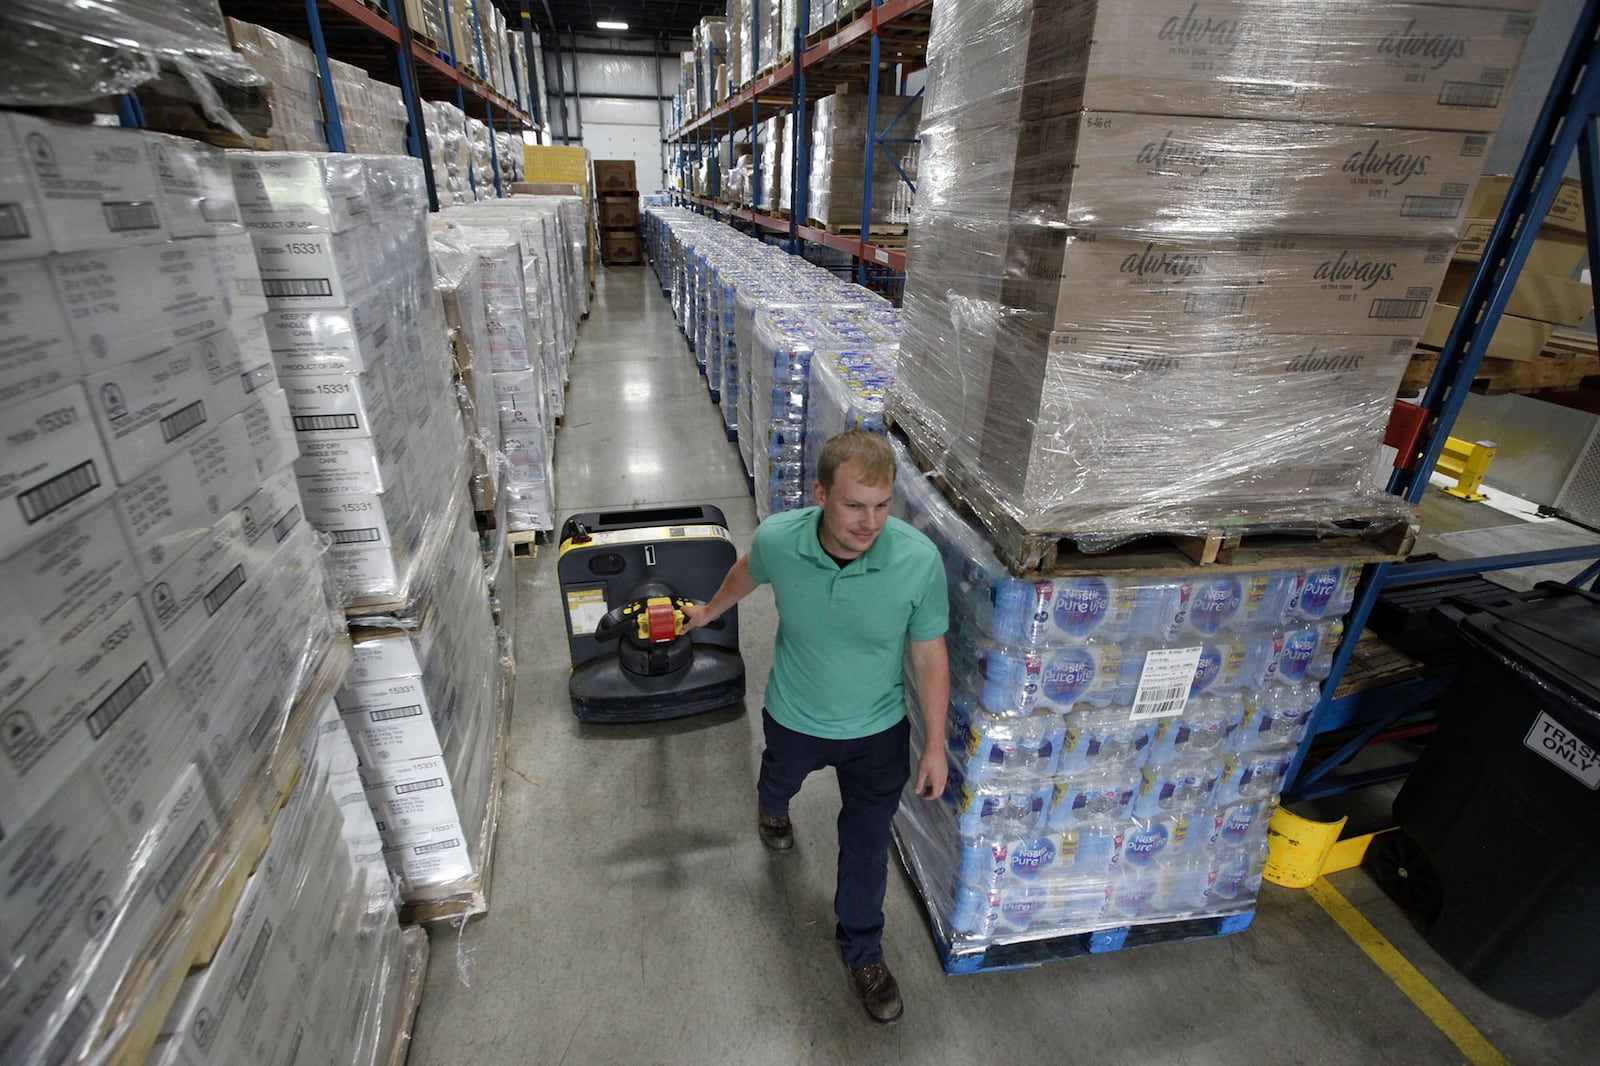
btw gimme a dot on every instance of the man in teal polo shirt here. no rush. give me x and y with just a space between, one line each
856 591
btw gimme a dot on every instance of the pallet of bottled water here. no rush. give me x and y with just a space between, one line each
1116 744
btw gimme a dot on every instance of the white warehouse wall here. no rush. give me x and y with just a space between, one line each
613 126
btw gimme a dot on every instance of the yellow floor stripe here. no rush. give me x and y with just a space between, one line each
1417 988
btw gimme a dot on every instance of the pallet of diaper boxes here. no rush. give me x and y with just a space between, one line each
163 609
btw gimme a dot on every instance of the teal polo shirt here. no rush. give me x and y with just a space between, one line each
838 667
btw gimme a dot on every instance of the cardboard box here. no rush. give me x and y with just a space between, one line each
339 406
1155 174
53 467
129 302
619 212
354 518
316 269
1554 253
614 174
22 232
402 810
272 514
166 511
243 295
430 858
1516 338
239 363
37 353
381 656
55 727
366 464
321 340
1273 285
151 408
620 247
1566 210
1536 296
92 186
195 186
201 588
56 589
300 192
1425 66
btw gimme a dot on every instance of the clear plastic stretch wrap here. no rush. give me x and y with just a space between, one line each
839 154
424 707
1116 742
762 35
460 283
358 334
847 392
54 53
1168 260
314 960
294 99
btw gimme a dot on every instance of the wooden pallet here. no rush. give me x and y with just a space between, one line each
1021 954
1560 368
1373 664
416 974
203 910
467 900
1227 542
875 234
525 542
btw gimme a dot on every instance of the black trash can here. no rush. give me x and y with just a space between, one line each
1505 803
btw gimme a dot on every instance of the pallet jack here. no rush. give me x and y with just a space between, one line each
625 577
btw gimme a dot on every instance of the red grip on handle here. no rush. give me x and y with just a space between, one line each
663 623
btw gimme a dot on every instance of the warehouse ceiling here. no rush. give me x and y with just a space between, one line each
645 18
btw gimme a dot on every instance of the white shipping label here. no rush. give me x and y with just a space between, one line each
1164 682
1556 743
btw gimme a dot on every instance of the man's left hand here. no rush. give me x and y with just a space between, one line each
932 772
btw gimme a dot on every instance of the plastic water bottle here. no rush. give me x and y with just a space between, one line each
1132 892
1276 717
1208 670
1160 611
1098 795
1327 592
1308 652
1011 679
1184 880
1207 723
1253 774
975 912
1213 607
1022 612
1329 635
983 863
1103 740
1095 845
1245 822
1012 749
1093 674
1021 906
1270 598
1176 787
1250 662
1101 608
1147 839
1239 872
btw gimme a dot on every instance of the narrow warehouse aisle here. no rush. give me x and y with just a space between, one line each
636 918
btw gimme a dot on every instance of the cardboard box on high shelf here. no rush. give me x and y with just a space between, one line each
1566 210
1276 284
55 590
1516 338
37 352
1535 296
53 466
1554 253
91 187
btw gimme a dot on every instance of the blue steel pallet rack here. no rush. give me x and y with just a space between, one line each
1566 124
361 31
852 45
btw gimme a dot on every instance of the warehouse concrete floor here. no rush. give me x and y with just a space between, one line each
635 917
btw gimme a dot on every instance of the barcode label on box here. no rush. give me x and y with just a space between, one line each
389 714
285 525
369 535
429 849
252 965
224 589
325 423
1165 681
105 716
419 786
1394 309
183 421
13 223
173 876
1469 94
72 1029
1214 303
290 287
47 497
131 216
1431 207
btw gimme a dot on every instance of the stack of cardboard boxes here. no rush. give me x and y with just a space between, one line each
1187 292
618 186
839 153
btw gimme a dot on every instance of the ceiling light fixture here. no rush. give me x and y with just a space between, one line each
608 24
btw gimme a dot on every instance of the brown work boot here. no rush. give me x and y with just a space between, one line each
876 988
777 833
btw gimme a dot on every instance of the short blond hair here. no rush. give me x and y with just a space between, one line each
870 452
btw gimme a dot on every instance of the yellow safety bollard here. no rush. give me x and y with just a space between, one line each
1467 462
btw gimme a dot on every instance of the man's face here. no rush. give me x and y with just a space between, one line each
853 512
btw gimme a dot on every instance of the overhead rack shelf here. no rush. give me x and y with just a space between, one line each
886 34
